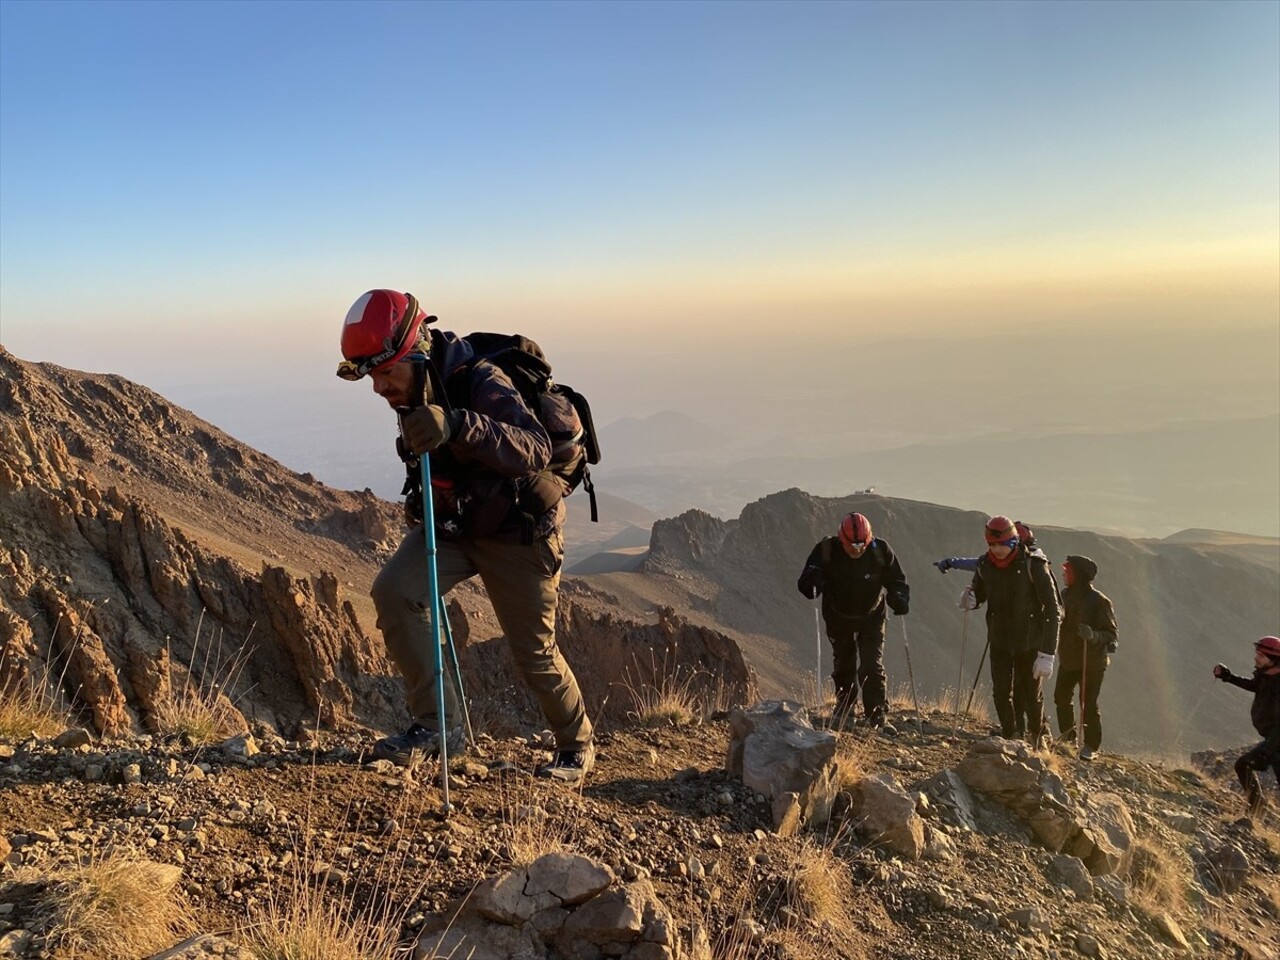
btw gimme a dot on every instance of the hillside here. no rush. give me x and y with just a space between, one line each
1182 606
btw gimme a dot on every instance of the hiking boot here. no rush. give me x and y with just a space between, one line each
875 718
1087 753
414 745
569 766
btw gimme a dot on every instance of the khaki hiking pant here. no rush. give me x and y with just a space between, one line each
523 583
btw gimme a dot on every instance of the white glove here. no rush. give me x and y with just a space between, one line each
967 599
1043 666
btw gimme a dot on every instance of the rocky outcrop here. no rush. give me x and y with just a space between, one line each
561 906
1009 772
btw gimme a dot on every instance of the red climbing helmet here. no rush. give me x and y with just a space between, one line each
1025 533
855 530
1270 646
1000 529
381 327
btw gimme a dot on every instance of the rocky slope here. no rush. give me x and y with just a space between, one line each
262 821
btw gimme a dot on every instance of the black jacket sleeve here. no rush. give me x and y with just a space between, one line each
1050 610
813 577
897 593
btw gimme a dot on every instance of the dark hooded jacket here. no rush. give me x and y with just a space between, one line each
483 476
1083 605
1022 602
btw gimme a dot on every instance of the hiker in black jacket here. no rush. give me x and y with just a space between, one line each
1022 626
1265 714
856 575
1086 640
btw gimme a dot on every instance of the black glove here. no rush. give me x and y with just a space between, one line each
898 604
1111 646
426 428
1084 632
413 507
943 565
810 583
1221 672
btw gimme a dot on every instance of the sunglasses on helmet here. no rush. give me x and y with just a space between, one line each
360 367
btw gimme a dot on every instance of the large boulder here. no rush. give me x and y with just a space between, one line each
887 814
776 752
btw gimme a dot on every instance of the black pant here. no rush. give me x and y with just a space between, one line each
858 657
1064 700
1018 697
1247 767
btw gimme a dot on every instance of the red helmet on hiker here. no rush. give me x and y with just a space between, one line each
1270 646
381 327
1000 529
1025 533
855 531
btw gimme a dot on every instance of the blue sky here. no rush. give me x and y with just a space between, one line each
234 174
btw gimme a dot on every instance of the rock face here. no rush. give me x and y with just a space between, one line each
778 754
561 905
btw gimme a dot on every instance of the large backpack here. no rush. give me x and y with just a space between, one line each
563 412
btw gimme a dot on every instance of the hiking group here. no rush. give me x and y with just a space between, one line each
501 444
1032 625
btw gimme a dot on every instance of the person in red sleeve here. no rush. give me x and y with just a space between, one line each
1265 714
1022 626
493 519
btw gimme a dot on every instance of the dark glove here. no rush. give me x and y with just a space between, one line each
1084 632
898 604
1221 672
1111 648
426 428
810 582
413 507
943 565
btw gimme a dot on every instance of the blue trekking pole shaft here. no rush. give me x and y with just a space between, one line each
437 612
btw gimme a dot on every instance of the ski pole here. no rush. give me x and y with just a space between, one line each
437 609
911 674
978 676
1084 682
964 635
817 627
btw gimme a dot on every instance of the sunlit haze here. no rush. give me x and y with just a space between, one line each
812 227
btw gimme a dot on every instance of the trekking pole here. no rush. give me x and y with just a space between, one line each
437 610
1084 682
456 674
964 635
978 676
911 674
817 628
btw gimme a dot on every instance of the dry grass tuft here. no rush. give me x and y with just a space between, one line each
1159 878
821 886
29 707
118 908
311 923
530 831
851 761
198 707
669 700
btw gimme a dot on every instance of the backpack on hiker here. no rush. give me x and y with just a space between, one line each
563 412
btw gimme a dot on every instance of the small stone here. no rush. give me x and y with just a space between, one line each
75 737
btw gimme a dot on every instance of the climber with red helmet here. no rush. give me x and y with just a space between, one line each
1015 582
486 450
1265 714
857 575
1086 639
